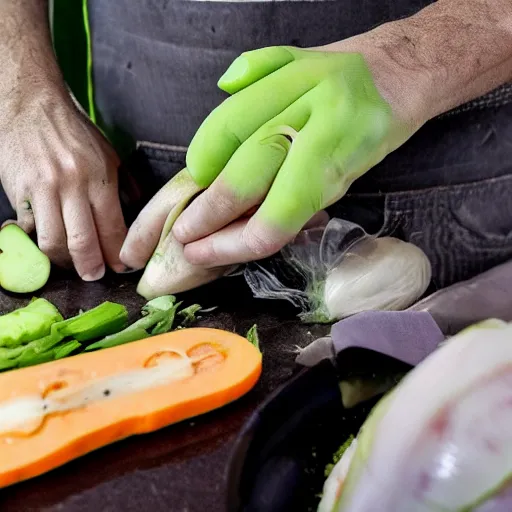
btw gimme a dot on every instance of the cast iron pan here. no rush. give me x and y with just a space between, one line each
280 455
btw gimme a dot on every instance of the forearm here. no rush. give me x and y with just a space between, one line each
448 53
27 59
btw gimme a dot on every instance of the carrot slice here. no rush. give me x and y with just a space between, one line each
58 411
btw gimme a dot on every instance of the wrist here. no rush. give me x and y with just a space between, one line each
402 82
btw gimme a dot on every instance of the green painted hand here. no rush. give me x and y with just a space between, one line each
299 128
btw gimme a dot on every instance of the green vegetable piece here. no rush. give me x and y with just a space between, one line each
7 364
107 318
165 325
65 349
28 323
252 336
189 314
30 357
158 314
120 338
337 455
23 267
12 353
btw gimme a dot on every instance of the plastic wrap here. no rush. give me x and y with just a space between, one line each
338 270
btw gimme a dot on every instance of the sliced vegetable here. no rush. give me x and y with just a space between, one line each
120 338
168 271
28 323
23 267
107 318
157 315
55 412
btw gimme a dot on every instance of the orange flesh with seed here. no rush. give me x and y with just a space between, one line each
226 366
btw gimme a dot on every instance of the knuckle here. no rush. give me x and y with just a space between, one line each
220 203
48 179
55 250
80 243
260 246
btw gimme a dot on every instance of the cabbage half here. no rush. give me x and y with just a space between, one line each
441 440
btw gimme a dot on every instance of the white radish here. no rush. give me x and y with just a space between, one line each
168 272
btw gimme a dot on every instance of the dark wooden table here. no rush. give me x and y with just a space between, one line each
181 468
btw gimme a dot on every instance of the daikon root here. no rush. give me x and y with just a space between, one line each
168 272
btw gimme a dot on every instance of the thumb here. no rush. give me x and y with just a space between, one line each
252 66
147 230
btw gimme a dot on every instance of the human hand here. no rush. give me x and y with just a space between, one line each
301 126
60 175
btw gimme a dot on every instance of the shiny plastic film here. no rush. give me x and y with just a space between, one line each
337 270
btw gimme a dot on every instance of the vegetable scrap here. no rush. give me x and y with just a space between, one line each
108 395
37 333
338 455
252 336
24 268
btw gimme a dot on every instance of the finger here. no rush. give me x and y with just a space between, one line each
320 219
145 232
240 242
244 240
322 163
245 180
252 66
25 216
235 120
110 224
82 238
51 234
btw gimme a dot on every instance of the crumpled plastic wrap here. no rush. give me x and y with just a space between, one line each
338 270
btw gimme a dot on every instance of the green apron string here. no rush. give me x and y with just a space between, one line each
90 87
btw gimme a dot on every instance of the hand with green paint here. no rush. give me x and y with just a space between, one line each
299 128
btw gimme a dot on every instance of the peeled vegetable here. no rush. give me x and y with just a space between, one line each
56 412
23 267
168 272
339 270
441 440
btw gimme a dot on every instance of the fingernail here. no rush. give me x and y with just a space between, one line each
123 269
95 275
179 230
128 270
237 69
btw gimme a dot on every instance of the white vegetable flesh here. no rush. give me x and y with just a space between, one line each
24 415
377 274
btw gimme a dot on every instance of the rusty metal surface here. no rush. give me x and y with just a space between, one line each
182 467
